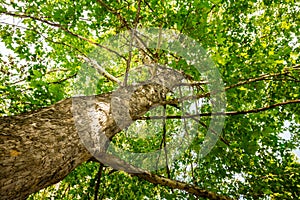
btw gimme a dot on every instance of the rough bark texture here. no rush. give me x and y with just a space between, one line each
40 148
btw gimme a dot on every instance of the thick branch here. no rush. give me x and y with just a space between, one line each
117 163
195 190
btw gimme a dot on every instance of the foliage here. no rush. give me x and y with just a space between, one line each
254 44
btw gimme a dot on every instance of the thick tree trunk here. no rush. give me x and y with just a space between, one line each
40 148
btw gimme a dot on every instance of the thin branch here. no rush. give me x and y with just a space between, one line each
192 84
157 52
132 33
186 17
137 16
149 52
263 108
18 81
98 180
164 142
101 70
128 61
211 8
64 79
56 70
212 130
229 113
147 4
116 13
62 28
197 119
46 38
142 43
251 80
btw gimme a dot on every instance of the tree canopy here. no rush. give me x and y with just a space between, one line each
254 46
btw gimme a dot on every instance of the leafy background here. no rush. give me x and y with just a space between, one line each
246 40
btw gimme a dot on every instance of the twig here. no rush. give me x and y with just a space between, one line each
147 4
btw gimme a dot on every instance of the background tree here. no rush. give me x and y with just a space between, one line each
255 47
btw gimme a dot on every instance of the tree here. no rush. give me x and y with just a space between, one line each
254 46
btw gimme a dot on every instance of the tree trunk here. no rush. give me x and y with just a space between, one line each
40 148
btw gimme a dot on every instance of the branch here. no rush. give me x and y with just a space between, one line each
119 16
211 8
148 52
128 61
137 17
251 80
230 113
64 79
34 29
117 163
136 20
147 4
262 77
62 28
101 70
133 32
97 186
192 189
186 17
263 108
164 144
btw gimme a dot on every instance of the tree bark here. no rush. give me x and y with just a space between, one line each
40 148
